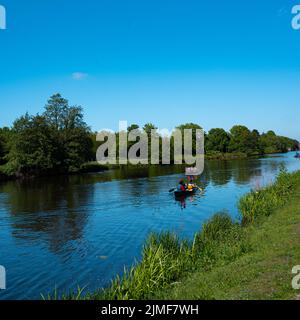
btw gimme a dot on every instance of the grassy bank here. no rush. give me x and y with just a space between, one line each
272 231
226 260
262 273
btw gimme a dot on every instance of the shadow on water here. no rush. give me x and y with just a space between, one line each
49 211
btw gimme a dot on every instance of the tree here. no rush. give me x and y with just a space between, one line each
217 140
5 136
269 142
57 141
148 127
56 111
254 143
133 127
240 140
191 125
33 148
72 132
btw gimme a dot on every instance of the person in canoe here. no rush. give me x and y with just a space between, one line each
191 185
181 186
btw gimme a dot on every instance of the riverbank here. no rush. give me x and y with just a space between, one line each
94 167
89 167
262 273
263 247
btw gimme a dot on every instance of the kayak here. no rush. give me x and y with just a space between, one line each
186 193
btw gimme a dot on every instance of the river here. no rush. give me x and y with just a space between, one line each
82 230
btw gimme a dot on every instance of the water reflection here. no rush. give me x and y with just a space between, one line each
186 201
49 211
57 209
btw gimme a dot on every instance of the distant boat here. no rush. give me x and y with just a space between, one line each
297 155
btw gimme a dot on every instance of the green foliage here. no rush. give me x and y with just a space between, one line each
217 140
192 126
57 141
271 143
5 136
148 127
135 127
33 146
241 140
261 203
162 263
188 126
220 241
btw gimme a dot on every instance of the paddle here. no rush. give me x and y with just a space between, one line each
200 189
171 190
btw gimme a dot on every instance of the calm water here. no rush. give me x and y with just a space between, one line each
66 231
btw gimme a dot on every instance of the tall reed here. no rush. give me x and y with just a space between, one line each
261 203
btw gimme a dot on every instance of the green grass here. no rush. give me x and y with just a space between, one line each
261 203
226 260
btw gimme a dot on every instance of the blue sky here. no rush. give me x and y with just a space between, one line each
216 63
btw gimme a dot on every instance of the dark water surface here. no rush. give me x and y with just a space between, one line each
82 230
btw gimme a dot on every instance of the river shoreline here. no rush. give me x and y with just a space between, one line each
94 167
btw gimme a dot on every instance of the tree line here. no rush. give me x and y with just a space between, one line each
60 141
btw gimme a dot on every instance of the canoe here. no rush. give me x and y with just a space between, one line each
186 193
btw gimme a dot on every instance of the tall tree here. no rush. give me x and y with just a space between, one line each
72 132
56 111
240 139
217 140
